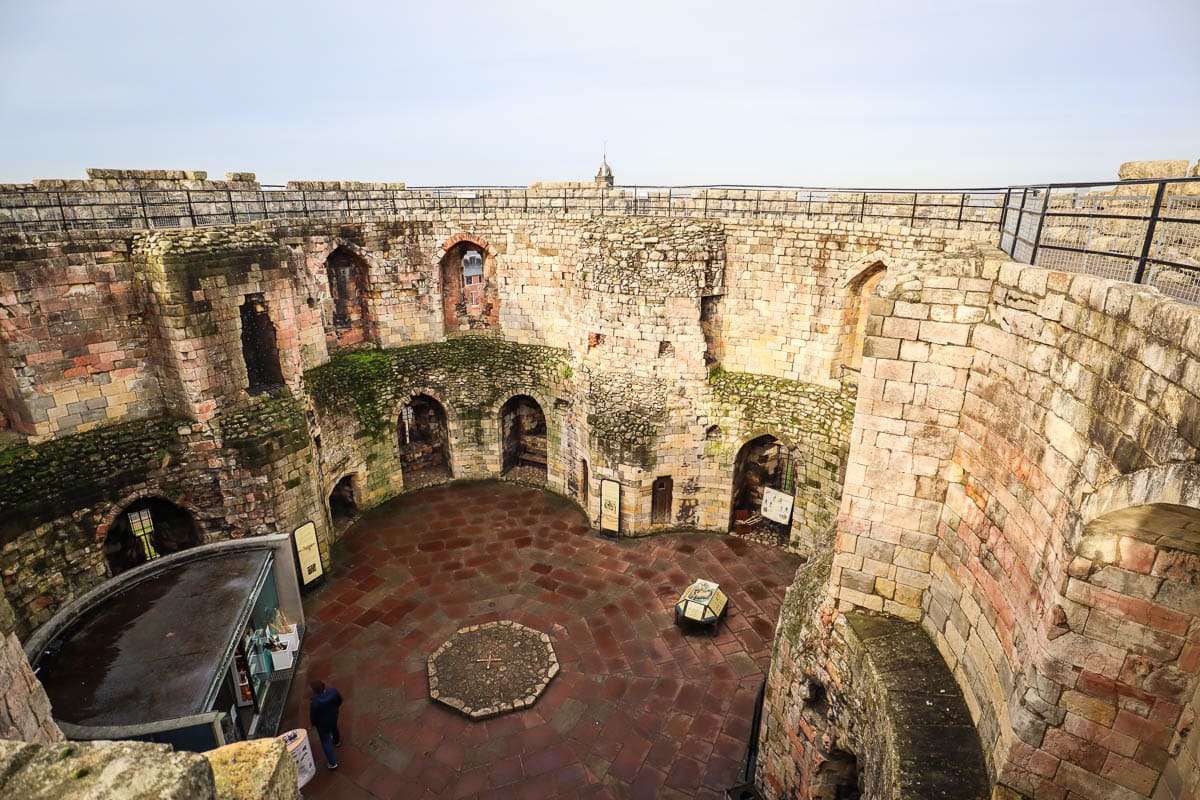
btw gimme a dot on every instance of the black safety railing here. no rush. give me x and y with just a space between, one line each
1146 231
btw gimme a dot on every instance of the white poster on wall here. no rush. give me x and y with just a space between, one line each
308 553
777 506
610 506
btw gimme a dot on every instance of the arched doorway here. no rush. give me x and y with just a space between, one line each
146 529
347 276
343 509
523 438
762 463
424 439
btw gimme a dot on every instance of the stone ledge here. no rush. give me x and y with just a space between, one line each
256 770
936 748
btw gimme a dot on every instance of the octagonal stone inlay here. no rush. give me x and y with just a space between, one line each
493 668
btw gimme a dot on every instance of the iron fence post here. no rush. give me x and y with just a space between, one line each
706 203
962 202
1037 237
808 210
191 208
62 211
145 216
757 200
347 196
1004 216
912 220
1139 275
232 210
862 209
262 201
1017 230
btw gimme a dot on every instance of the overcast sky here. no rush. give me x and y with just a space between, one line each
901 93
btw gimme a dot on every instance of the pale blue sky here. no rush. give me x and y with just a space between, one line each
863 92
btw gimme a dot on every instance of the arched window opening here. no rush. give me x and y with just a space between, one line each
469 297
583 482
661 501
147 529
424 442
523 438
259 348
764 472
342 507
858 312
713 433
347 277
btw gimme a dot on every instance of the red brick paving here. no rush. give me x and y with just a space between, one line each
639 709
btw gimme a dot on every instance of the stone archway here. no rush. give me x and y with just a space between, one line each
346 273
470 297
763 462
423 435
146 529
523 440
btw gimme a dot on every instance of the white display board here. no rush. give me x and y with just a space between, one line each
610 506
300 750
777 506
309 553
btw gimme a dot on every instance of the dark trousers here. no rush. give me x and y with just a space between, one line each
328 737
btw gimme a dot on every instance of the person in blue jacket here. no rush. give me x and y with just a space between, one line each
323 714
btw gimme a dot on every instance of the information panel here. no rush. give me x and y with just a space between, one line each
305 541
610 506
777 506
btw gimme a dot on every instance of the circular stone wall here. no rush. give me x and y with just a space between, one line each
490 669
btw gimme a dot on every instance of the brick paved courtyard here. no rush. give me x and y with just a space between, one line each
638 711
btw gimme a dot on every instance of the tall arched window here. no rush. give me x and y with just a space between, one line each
472 277
858 311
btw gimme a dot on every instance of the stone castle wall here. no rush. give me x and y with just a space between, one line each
1021 482
606 313
976 468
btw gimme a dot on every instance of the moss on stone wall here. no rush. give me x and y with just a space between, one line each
471 374
40 482
265 428
795 408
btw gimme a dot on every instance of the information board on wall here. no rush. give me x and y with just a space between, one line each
777 506
304 539
610 506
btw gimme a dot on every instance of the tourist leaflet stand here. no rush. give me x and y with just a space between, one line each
703 603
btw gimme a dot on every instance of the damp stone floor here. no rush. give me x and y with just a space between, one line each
639 709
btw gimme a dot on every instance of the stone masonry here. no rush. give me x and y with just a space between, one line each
1000 458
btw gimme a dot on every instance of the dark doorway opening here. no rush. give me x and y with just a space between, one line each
146 529
762 463
424 442
347 275
342 508
838 778
259 348
523 438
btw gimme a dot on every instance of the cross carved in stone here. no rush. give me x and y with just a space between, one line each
489 660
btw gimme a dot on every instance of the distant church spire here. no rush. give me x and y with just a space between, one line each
604 177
